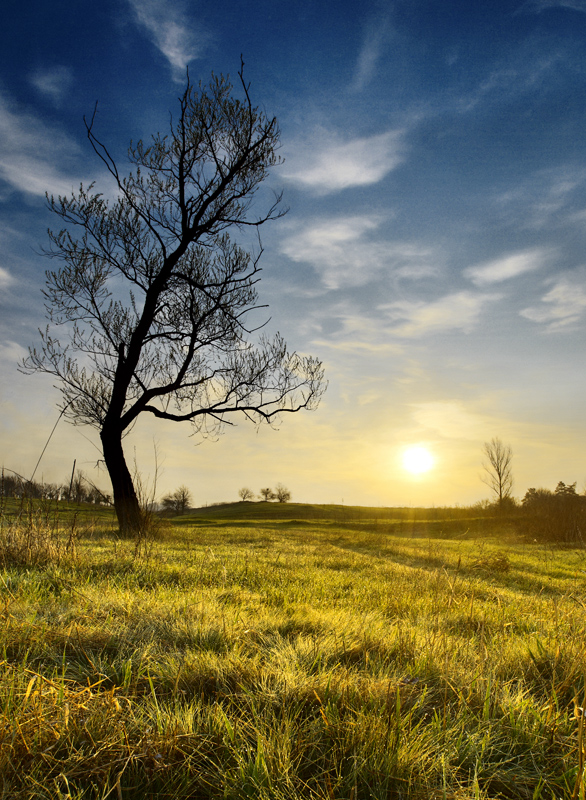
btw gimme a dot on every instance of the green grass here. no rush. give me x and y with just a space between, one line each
289 658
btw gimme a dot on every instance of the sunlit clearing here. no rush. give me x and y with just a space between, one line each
417 459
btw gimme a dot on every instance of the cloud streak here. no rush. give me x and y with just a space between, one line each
451 420
326 165
345 255
32 154
518 74
351 331
6 279
503 269
54 83
458 311
169 30
375 37
538 6
563 306
11 352
546 198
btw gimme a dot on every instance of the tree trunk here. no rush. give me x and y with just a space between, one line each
125 500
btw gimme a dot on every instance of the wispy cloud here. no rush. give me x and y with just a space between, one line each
451 420
325 164
11 352
33 156
375 37
352 331
6 279
344 253
544 198
53 82
563 306
171 32
541 5
507 267
519 73
360 348
459 311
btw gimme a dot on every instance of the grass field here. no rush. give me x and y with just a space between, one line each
294 657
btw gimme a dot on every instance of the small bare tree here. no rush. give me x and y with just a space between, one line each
267 494
498 474
282 494
246 494
179 501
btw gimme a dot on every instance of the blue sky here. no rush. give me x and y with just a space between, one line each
433 255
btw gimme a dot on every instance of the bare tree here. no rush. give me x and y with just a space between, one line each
282 494
267 494
179 501
77 491
246 494
153 294
498 474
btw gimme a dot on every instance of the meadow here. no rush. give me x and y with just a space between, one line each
279 652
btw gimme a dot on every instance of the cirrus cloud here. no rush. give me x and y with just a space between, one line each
345 253
376 35
540 5
325 165
6 279
507 267
451 419
53 82
458 311
171 32
33 155
564 305
12 352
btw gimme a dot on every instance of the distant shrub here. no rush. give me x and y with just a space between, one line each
282 494
178 502
556 516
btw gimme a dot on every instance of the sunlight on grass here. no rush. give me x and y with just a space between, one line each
289 661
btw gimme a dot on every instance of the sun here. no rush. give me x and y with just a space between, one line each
417 459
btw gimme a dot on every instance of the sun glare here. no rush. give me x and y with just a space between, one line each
417 459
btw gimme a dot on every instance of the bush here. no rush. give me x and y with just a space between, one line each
282 494
178 502
556 516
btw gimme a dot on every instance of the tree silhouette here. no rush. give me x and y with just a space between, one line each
498 473
153 294
282 494
178 501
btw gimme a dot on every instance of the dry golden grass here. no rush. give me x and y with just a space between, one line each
294 660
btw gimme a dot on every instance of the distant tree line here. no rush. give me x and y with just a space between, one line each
556 516
78 489
279 493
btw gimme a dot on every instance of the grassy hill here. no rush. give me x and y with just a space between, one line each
436 522
331 512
